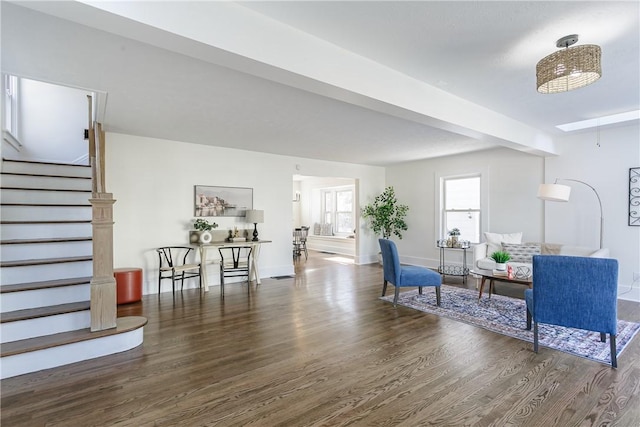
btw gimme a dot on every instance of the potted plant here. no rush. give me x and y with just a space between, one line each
501 258
203 231
385 215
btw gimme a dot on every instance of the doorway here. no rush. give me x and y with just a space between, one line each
329 207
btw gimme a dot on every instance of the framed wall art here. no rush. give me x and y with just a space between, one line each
222 201
634 196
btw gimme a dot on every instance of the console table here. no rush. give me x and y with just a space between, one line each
255 254
453 269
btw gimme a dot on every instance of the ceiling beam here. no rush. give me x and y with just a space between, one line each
239 38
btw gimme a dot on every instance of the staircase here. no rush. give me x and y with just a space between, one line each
46 260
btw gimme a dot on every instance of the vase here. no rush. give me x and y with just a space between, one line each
205 237
501 266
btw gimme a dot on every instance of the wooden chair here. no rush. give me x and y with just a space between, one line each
235 261
300 242
174 266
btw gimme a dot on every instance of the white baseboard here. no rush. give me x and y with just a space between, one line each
629 293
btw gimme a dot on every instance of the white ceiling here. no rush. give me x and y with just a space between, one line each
356 81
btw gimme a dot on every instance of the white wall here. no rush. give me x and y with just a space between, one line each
152 181
295 205
512 204
510 180
606 168
51 123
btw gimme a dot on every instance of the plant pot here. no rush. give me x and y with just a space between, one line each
205 237
200 237
501 266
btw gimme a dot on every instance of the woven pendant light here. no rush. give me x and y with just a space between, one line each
570 68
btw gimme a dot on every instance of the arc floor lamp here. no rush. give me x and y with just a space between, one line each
560 193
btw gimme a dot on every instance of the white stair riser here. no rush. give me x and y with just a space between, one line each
24 329
46 250
40 273
13 301
44 169
28 181
45 197
42 231
19 364
50 213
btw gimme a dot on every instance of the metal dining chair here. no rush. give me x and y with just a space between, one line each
235 261
300 242
174 265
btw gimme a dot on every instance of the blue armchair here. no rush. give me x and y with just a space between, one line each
575 292
407 275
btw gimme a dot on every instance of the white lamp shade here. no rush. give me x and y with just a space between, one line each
255 216
554 192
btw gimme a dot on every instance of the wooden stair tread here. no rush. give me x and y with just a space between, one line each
46 175
45 240
123 324
51 310
62 221
19 287
45 163
49 205
44 261
45 189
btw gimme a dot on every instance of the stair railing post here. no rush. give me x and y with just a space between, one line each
103 284
104 307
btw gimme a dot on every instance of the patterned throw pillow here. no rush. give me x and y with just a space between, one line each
494 240
316 228
326 230
521 252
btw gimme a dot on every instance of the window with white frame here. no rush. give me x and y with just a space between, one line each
337 209
10 119
461 206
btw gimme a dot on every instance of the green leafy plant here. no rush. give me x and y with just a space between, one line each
204 225
454 232
500 257
385 215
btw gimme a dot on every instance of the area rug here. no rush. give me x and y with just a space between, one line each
507 316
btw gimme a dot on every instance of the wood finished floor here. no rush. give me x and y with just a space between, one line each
323 350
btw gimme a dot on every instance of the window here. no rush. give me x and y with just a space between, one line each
10 119
337 209
461 206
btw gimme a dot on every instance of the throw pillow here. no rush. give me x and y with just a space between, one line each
316 229
326 230
494 240
523 252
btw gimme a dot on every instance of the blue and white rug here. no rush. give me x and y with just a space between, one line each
507 316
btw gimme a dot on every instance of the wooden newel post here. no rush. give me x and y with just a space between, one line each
104 306
103 285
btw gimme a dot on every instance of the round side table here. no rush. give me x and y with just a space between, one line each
128 284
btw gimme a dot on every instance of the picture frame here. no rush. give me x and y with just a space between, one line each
634 196
212 201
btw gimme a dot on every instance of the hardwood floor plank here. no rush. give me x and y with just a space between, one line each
321 349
